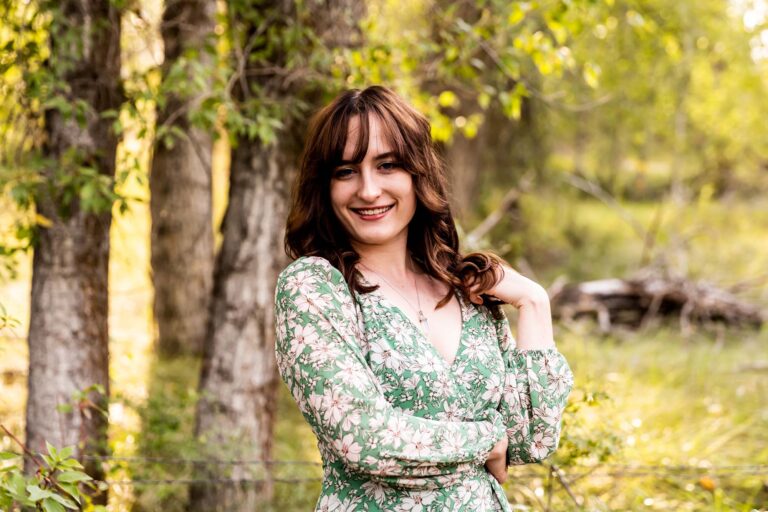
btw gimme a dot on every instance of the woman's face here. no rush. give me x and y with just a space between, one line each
374 200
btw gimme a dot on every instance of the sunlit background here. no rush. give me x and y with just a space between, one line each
633 134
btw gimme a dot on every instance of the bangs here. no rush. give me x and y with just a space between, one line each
339 134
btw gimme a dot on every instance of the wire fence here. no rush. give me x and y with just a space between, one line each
546 477
567 474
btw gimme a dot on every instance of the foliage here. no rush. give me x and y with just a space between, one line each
54 487
33 85
457 60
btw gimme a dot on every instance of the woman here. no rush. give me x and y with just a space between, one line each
392 343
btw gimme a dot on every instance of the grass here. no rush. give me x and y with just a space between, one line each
648 398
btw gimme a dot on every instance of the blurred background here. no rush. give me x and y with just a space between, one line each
615 151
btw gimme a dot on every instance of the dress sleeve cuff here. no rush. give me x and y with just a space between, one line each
496 432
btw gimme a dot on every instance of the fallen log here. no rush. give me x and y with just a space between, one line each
636 301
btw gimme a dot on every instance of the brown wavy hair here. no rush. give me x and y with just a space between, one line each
312 228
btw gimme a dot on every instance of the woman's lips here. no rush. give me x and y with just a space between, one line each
375 216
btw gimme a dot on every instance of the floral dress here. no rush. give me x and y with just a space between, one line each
398 427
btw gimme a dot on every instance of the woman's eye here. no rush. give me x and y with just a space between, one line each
388 166
342 173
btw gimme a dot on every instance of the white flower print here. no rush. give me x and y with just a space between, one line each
398 428
493 389
382 354
467 491
322 353
416 501
453 442
419 443
328 503
473 347
352 419
348 448
542 445
335 404
349 373
430 363
302 336
376 491
442 387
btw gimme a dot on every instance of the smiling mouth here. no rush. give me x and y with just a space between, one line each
372 211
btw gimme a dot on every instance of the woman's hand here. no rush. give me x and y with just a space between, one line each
496 464
534 321
512 288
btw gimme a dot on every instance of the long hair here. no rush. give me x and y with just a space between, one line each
312 228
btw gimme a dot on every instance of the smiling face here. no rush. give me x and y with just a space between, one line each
374 199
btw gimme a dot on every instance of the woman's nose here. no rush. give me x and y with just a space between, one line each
370 188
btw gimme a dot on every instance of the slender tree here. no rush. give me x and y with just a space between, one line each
68 351
236 411
180 180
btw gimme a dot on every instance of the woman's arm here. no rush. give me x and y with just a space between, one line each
319 358
536 387
534 325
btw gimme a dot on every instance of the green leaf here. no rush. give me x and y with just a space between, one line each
66 452
64 501
72 490
72 476
65 408
9 455
51 450
18 484
51 505
37 494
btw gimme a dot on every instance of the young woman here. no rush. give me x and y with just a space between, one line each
393 343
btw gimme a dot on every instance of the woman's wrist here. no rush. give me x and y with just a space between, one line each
534 324
517 290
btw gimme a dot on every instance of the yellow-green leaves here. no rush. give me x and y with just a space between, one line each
591 74
448 99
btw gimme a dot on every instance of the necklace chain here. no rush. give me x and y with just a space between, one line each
422 317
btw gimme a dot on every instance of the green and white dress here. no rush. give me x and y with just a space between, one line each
398 428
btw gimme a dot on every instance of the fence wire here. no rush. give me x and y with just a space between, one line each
569 473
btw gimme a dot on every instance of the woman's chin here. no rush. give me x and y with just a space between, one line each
375 238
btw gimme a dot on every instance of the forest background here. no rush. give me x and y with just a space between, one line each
147 152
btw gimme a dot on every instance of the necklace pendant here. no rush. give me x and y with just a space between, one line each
423 321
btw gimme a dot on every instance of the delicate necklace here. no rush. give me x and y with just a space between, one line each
422 318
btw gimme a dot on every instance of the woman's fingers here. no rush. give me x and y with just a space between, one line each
498 469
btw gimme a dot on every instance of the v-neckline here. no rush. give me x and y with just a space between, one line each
421 335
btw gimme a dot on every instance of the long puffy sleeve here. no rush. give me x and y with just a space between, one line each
536 388
320 359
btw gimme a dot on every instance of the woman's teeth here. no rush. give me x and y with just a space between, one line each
374 212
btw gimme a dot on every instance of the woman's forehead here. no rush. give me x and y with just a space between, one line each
367 136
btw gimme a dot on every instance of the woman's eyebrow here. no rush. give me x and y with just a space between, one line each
389 154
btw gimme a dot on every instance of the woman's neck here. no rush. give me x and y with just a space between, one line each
392 262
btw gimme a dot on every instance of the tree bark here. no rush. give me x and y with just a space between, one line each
239 378
68 333
180 186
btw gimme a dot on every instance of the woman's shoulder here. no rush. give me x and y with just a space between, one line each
310 268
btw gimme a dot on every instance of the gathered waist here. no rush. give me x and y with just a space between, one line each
416 480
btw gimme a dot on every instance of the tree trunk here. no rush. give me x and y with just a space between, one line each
180 186
239 379
68 333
